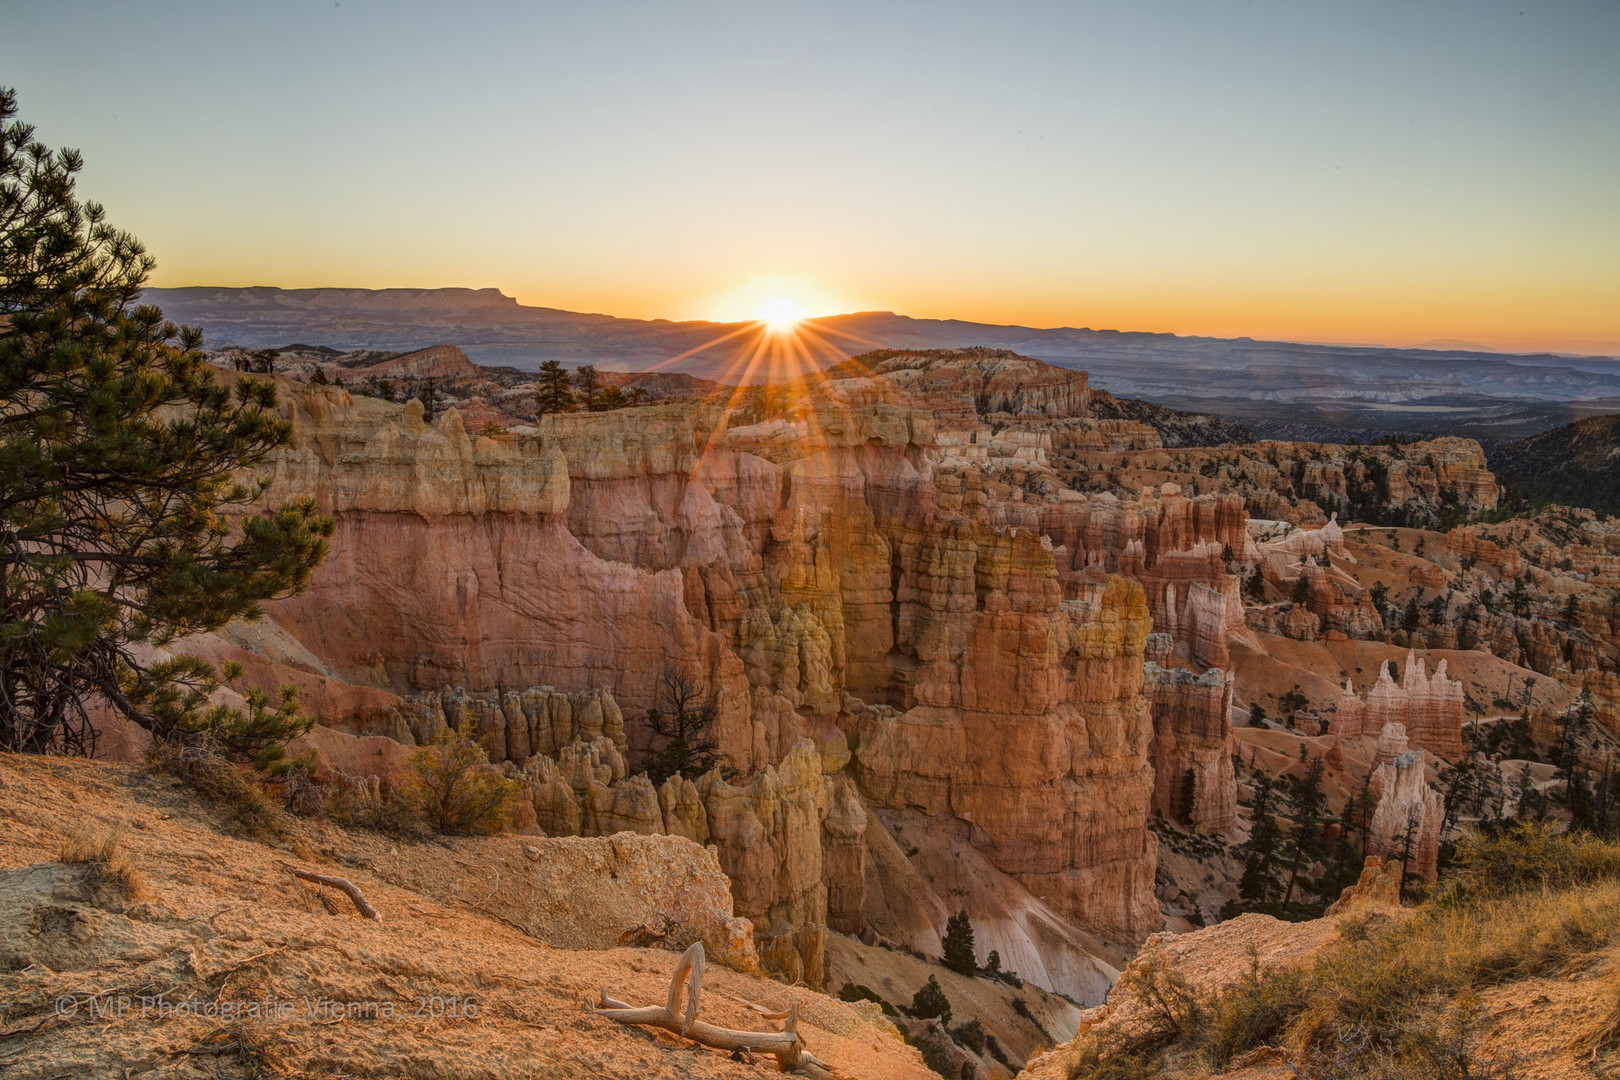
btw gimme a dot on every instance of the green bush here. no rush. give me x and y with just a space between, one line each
930 1001
860 992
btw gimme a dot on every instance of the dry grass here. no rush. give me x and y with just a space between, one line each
1602 1036
1400 999
1533 856
108 871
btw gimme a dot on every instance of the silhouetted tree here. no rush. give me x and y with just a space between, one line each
554 394
119 498
687 725
589 384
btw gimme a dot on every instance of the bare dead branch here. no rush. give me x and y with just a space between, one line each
786 1045
343 885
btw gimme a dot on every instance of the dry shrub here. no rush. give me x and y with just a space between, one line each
1536 855
109 873
390 814
208 773
1395 1001
453 788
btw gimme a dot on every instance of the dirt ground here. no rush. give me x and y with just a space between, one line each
223 964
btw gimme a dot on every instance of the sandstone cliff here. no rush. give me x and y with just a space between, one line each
878 581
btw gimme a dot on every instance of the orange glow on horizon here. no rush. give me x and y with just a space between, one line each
780 314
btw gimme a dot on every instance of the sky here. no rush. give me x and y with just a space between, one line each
1389 173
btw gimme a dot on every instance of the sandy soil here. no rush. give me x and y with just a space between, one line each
220 920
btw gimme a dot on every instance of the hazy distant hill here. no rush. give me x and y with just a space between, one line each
1276 388
1577 464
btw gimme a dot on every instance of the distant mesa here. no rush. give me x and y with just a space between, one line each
1279 390
1453 345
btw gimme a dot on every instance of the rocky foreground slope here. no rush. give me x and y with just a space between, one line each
201 955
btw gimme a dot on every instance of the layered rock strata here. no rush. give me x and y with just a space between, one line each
883 607
1192 732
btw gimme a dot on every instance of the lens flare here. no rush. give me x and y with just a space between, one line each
780 314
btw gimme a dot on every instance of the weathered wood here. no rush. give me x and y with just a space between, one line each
343 885
786 1046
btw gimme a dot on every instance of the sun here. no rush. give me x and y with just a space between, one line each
780 314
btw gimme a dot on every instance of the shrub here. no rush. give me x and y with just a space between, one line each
860 992
207 772
1532 855
1391 1000
453 788
930 1001
970 1035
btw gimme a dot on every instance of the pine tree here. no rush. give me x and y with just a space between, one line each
589 384
1188 801
959 954
1519 598
428 395
686 727
123 524
1408 844
554 395
930 1001
1255 586
1264 835
1361 815
1304 844
1413 618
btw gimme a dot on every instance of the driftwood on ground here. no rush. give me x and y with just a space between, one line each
786 1046
343 885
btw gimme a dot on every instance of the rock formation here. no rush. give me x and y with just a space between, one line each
877 583
1406 823
1430 707
1192 730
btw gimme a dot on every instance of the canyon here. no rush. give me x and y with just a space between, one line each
973 636
890 615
